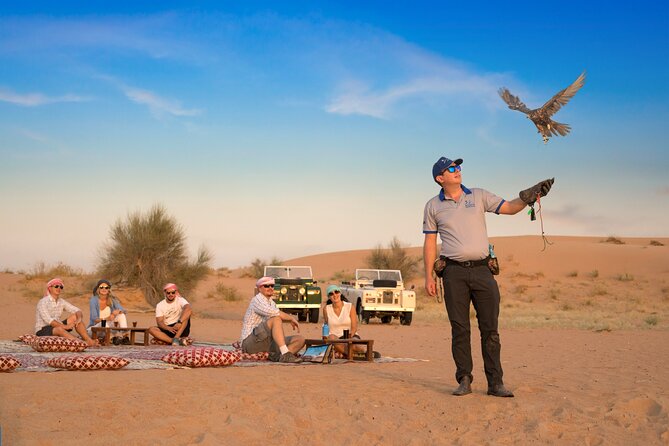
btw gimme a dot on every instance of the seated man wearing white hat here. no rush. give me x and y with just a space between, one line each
262 327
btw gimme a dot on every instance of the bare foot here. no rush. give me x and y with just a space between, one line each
92 342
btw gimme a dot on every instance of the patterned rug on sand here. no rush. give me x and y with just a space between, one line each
142 357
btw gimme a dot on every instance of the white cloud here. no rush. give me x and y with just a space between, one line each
37 99
408 73
157 104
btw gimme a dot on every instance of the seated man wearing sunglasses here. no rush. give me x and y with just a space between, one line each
49 311
172 317
262 327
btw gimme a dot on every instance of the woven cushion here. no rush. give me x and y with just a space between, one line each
87 362
28 338
155 341
58 344
260 356
201 357
7 363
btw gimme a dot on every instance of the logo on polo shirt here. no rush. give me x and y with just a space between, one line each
469 204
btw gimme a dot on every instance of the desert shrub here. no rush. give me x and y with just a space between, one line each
521 289
149 250
651 320
257 267
613 240
41 270
656 243
594 273
598 290
394 257
341 275
572 274
223 271
625 277
554 293
227 293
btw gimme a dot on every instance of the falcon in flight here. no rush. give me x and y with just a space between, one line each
541 117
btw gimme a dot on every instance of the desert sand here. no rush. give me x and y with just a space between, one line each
584 329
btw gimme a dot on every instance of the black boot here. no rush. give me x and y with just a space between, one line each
499 390
465 386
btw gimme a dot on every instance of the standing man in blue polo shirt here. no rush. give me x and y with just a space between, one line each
457 215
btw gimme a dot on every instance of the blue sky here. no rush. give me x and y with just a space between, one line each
287 130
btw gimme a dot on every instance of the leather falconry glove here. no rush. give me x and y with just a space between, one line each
529 196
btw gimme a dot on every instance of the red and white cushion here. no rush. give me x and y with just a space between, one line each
8 363
155 341
201 357
87 362
58 344
260 356
28 338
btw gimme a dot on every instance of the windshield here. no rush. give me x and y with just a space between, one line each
376 274
288 272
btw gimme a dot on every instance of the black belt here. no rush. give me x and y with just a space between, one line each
466 264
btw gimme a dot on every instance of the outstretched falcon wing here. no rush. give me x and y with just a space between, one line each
512 101
561 98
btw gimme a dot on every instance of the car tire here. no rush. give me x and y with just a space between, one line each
386 319
301 317
364 318
406 317
313 315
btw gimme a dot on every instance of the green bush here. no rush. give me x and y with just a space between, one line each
257 268
394 257
149 250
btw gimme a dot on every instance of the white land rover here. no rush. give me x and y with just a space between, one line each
380 293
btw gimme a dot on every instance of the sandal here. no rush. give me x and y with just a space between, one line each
125 340
116 340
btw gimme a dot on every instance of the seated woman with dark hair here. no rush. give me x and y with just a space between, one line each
104 306
340 315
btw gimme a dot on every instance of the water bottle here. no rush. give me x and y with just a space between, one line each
326 330
491 250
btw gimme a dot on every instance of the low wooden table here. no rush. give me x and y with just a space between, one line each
349 343
133 330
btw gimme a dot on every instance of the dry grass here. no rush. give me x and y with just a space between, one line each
656 243
539 302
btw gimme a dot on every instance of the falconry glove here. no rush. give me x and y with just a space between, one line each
529 196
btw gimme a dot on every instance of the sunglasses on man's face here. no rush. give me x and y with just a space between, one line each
268 286
169 293
453 169
104 287
58 286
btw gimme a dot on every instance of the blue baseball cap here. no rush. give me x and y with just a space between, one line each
442 164
332 288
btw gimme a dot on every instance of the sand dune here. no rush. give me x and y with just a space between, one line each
584 330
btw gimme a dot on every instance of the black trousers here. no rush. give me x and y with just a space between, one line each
478 286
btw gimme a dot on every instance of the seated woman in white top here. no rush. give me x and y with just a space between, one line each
105 308
340 315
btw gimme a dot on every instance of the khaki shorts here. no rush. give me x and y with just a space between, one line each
260 340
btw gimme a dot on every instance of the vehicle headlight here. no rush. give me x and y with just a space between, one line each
284 290
302 290
380 294
310 292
